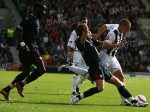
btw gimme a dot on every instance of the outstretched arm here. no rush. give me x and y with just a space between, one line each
100 31
85 34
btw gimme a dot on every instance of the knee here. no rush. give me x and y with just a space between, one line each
42 71
25 73
100 88
119 75
121 78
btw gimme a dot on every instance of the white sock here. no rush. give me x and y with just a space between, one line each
131 98
82 96
123 99
74 82
81 80
80 71
11 85
24 82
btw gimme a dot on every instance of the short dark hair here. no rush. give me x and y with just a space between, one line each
124 22
40 7
83 18
79 30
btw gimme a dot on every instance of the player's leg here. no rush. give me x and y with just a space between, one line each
99 80
76 62
25 72
82 72
40 70
38 62
82 78
116 69
125 93
99 87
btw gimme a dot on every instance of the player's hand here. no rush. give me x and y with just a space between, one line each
86 28
25 48
122 43
94 36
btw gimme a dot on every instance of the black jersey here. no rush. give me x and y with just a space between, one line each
89 51
30 29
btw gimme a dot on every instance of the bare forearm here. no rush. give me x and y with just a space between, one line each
83 37
101 30
108 45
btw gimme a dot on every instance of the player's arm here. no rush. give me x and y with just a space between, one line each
111 45
69 52
100 31
70 45
85 34
103 29
18 35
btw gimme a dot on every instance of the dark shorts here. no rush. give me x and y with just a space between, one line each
99 73
30 57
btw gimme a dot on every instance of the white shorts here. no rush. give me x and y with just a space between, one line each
78 60
109 62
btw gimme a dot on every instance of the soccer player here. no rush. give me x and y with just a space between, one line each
96 72
74 53
27 33
107 54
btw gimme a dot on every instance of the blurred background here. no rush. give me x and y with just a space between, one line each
59 23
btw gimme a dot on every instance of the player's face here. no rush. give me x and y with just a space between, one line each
126 28
40 12
84 21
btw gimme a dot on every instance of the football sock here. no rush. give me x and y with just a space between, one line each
80 71
24 82
74 82
11 85
18 78
81 80
7 88
123 99
88 93
124 92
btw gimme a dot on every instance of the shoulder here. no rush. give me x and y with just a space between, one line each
73 34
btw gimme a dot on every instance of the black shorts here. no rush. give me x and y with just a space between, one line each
99 72
30 57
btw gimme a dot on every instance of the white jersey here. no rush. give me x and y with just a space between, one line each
107 56
113 37
77 57
72 39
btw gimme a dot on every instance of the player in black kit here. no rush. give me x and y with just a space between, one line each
27 33
97 72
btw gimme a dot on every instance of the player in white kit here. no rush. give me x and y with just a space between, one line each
107 54
78 60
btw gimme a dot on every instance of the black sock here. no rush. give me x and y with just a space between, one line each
7 89
124 92
90 92
18 78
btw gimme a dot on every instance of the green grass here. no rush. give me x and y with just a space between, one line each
51 93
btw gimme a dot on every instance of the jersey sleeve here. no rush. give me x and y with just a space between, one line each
71 41
110 38
111 26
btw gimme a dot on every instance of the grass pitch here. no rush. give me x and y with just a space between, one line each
52 92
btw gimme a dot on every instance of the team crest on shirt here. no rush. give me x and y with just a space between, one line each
70 41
